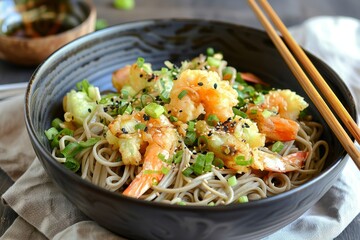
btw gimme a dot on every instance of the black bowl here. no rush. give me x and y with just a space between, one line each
97 55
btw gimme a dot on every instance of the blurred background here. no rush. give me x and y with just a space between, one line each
111 12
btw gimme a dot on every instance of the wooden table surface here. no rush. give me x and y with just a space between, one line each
292 12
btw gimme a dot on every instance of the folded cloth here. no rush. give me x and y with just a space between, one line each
45 213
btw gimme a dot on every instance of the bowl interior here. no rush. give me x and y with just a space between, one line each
97 55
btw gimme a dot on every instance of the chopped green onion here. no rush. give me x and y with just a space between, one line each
72 164
154 110
259 99
124 4
145 99
190 138
178 156
232 181
51 133
173 119
253 111
63 132
212 120
266 113
83 86
140 126
210 51
71 150
56 123
213 62
165 170
239 113
240 160
218 163
243 199
181 203
182 94
209 157
202 142
187 171
191 126
90 142
199 164
277 146
140 62
210 204
162 157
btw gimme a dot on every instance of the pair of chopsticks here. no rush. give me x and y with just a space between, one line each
304 81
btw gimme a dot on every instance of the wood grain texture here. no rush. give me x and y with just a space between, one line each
292 12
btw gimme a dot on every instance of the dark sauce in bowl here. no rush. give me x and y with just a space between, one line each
39 18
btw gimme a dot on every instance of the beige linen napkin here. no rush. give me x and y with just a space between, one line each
45 213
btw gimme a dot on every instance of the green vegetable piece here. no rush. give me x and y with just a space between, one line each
232 181
124 4
56 123
277 146
178 156
71 150
218 163
199 164
209 158
90 142
213 62
259 99
165 170
182 94
51 133
239 113
243 199
154 110
72 164
240 160
173 119
190 138
212 120
140 126
187 171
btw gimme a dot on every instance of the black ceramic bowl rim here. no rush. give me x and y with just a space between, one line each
66 48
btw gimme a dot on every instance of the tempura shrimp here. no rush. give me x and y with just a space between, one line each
276 116
158 137
237 143
198 92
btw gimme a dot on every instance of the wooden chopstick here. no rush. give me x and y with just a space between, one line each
306 84
313 72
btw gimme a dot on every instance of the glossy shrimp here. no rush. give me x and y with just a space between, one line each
159 137
198 92
276 116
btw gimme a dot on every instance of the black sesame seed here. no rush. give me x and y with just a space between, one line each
124 130
89 110
200 83
180 110
209 134
141 75
146 117
215 85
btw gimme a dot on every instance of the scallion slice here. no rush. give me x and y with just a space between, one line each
212 120
232 181
140 126
187 171
239 113
51 133
182 94
277 146
243 199
154 110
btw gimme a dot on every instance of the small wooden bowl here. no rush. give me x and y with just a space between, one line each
20 48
